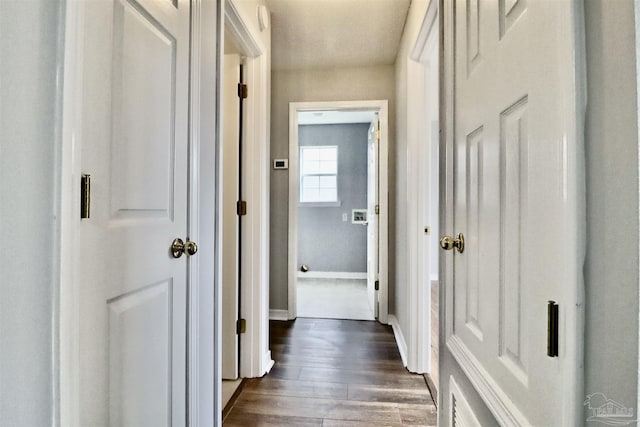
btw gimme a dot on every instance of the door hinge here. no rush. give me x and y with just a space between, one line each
377 285
241 208
377 209
243 91
378 134
85 196
552 329
241 326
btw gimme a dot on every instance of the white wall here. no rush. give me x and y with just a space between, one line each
29 143
338 84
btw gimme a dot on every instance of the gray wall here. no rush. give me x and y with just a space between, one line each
341 84
611 271
28 141
325 241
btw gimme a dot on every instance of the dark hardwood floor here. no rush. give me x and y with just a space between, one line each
334 373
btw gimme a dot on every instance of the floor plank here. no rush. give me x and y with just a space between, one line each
334 373
279 387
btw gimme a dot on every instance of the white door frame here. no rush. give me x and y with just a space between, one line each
204 394
255 356
418 338
636 9
383 241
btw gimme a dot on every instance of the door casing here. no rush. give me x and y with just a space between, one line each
417 355
255 357
383 240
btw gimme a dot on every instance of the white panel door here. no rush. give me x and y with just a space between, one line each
132 294
514 180
372 217
230 224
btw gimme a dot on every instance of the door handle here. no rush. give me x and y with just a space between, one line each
179 247
448 243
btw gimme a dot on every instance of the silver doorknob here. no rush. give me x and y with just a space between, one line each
179 247
448 243
190 248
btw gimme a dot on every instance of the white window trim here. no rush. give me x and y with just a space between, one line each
320 204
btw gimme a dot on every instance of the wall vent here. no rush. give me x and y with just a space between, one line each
460 413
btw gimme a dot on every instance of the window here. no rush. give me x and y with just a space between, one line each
319 174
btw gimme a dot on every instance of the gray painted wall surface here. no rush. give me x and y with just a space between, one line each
325 242
611 271
342 84
28 141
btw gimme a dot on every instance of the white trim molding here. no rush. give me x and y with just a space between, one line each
69 352
381 106
204 385
421 117
280 315
255 225
493 396
332 275
400 341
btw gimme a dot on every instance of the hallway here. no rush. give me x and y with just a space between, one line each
334 373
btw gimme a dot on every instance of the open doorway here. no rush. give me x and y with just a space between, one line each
423 181
243 197
230 193
338 227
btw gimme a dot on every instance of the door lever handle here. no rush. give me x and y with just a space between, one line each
449 243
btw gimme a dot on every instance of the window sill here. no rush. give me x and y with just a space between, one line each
320 204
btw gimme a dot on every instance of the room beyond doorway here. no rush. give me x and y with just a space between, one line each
337 220
334 299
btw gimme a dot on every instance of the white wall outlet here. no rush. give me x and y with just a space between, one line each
345 217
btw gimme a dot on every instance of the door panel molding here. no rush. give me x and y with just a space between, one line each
140 361
532 195
202 406
489 391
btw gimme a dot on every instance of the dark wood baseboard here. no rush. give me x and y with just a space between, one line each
234 397
432 388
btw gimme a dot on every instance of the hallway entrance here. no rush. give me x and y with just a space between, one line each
334 373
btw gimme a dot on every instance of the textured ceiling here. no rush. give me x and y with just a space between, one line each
320 34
